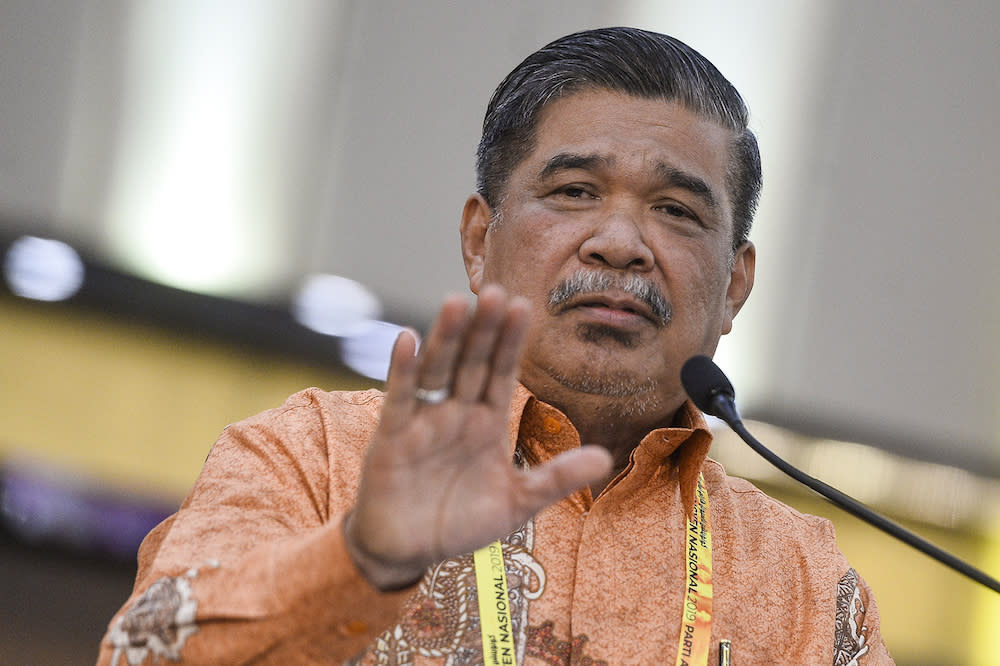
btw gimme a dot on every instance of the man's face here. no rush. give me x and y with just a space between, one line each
617 189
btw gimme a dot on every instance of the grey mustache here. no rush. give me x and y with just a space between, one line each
589 282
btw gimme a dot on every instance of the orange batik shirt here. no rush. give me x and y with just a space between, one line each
253 567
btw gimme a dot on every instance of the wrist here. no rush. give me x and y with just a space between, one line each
382 573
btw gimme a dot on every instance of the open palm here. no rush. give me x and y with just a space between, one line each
438 480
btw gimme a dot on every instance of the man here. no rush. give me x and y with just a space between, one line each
607 244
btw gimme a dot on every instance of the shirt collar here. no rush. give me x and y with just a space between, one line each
543 432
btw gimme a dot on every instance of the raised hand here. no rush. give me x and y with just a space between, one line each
438 480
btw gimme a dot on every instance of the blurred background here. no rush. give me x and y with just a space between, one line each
206 205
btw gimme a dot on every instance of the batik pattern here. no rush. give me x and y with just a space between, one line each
441 620
158 622
851 635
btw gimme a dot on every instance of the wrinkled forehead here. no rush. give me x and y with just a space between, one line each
605 130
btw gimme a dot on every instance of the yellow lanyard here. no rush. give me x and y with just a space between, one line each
696 612
494 607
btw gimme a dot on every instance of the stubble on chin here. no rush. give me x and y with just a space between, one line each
628 396
600 333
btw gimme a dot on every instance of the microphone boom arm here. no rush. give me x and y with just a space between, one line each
724 409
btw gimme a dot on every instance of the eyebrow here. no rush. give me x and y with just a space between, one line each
669 175
568 161
697 186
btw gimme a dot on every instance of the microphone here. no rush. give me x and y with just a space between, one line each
712 393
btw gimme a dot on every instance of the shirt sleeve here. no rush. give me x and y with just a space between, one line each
857 638
253 567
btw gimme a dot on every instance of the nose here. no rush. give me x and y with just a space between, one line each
617 242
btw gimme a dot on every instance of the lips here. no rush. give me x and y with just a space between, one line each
613 308
625 299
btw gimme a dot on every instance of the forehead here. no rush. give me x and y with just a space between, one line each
632 134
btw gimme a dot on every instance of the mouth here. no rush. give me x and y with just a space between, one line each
620 310
614 299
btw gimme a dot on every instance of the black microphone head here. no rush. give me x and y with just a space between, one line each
703 380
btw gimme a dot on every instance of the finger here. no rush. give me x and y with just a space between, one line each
567 472
507 354
401 381
438 353
478 346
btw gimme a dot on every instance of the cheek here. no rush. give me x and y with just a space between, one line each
529 256
518 269
697 288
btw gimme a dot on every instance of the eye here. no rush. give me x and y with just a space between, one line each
574 192
676 210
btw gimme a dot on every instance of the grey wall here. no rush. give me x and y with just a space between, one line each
889 319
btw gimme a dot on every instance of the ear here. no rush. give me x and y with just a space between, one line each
740 283
476 218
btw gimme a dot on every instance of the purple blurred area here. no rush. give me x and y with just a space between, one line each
40 506
67 560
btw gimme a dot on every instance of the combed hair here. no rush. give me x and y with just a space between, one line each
628 60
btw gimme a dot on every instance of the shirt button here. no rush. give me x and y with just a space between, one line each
352 628
552 425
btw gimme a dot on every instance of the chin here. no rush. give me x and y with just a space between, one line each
602 334
602 380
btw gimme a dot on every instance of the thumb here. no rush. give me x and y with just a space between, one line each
567 472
